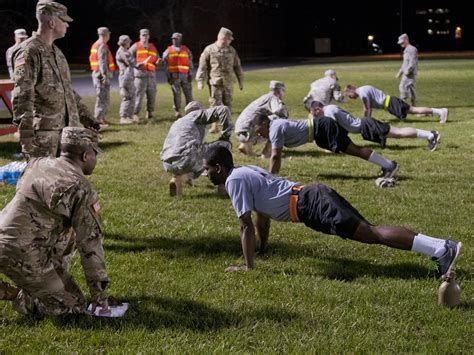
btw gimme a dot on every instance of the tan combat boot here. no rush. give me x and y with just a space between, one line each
8 292
135 119
125 120
149 115
177 114
177 185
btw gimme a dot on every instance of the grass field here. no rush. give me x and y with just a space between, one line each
312 292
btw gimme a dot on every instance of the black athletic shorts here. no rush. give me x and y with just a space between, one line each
373 130
398 107
324 210
329 135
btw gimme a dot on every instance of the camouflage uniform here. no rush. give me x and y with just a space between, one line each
217 66
183 147
126 63
9 60
408 72
53 197
101 79
325 90
44 101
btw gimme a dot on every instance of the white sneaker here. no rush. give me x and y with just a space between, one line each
126 120
444 115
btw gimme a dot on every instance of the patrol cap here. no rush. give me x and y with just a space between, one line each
52 8
193 106
103 31
309 102
176 35
226 32
275 84
82 137
20 33
402 38
144 32
124 39
329 72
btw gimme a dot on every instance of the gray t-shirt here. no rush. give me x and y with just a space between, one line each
254 189
343 118
288 133
375 97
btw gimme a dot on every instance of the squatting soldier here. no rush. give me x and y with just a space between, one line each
20 36
217 65
54 198
145 82
408 70
103 67
43 99
270 104
179 64
325 90
126 63
184 145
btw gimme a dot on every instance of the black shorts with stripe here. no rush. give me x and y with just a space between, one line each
329 135
324 210
398 107
374 130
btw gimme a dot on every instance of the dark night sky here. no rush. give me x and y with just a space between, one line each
262 28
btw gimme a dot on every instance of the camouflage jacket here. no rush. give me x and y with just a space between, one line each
410 61
52 197
217 65
43 97
126 63
325 90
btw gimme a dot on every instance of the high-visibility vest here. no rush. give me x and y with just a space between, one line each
143 54
94 57
178 62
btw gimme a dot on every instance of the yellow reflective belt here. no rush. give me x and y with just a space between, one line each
94 63
142 51
310 122
386 102
178 67
93 50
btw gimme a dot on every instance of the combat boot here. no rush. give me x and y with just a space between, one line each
125 120
8 292
135 119
177 185
177 114
149 115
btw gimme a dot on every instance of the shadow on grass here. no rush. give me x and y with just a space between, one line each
335 176
304 153
105 146
7 149
394 147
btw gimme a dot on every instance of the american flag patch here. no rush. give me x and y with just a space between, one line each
96 206
20 60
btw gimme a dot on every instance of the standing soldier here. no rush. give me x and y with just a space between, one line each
408 70
325 90
43 99
126 64
20 36
145 82
53 198
179 64
217 65
102 66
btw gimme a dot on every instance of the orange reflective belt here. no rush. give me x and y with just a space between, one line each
293 204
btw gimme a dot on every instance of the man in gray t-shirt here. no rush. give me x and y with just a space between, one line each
372 97
317 206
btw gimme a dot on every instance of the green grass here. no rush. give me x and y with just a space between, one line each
313 292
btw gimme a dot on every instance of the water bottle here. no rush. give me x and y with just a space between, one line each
449 293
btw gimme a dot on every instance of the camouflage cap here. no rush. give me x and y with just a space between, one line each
274 85
21 33
226 32
402 38
52 8
329 72
193 106
82 137
176 35
144 32
124 39
103 31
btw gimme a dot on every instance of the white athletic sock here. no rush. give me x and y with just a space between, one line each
421 133
436 111
380 160
430 246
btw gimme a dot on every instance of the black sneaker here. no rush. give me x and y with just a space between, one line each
446 261
433 142
390 172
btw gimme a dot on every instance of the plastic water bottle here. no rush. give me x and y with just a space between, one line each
11 172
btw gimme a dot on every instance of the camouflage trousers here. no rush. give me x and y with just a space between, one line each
178 83
41 273
44 144
102 101
145 86
127 105
408 88
221 95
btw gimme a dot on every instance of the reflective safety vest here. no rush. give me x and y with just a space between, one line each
94 58
143 54
178 62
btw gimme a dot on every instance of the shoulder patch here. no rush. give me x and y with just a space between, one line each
96 206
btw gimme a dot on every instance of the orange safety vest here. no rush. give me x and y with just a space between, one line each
178 62
143 54
94 57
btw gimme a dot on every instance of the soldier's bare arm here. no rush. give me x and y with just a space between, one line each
367 107
247 239
275 161
263 229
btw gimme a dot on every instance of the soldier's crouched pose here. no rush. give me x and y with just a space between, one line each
317 206
53 197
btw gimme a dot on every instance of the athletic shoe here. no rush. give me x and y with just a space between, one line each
385 182
444 115
433 142
446 261
390 172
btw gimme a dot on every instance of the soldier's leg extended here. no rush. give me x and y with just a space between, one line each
140 88
214 100
176 89
150 94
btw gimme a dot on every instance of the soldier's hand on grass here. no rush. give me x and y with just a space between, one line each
200 85
234 268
